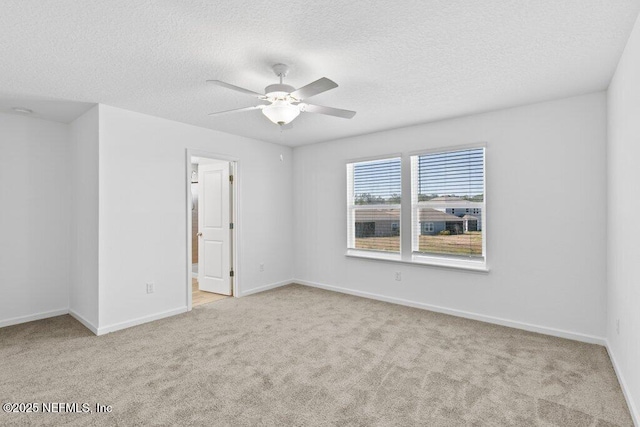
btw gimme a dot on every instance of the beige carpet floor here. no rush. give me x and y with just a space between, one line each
303 356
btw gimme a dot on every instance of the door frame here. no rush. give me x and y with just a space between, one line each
234 169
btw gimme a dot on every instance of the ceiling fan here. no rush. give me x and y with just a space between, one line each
283 103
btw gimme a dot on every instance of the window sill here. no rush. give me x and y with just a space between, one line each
383 256
475 266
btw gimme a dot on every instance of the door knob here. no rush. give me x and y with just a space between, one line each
200 234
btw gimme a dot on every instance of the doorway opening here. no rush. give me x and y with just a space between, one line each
211 234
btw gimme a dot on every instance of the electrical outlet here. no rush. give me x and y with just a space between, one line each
618 326
150 288
261 267
398 276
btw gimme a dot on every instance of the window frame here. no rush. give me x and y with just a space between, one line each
407 255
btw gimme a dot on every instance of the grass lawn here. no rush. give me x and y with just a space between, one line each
390 244
462 244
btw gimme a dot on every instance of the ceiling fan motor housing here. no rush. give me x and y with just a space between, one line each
278 90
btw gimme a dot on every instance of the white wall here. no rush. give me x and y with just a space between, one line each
623 203
83 296
34 218
143 213
546 219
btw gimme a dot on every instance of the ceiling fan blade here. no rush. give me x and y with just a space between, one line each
236 88
237 110
314 88
310 108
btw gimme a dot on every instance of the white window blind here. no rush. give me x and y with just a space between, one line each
374 191
448 204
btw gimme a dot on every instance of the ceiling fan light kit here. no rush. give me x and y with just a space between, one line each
285 102
281 112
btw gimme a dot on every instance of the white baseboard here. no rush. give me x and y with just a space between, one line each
459 313
635 415
140 320
145 319
90 326
265 288
32 317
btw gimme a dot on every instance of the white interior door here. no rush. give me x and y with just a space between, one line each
214 233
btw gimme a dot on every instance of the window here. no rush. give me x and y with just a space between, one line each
444 207
373 200
427 227
445 186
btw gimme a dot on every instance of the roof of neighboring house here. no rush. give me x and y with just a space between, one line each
372 215
470 217
434 215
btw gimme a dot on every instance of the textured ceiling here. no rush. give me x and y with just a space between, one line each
397 62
